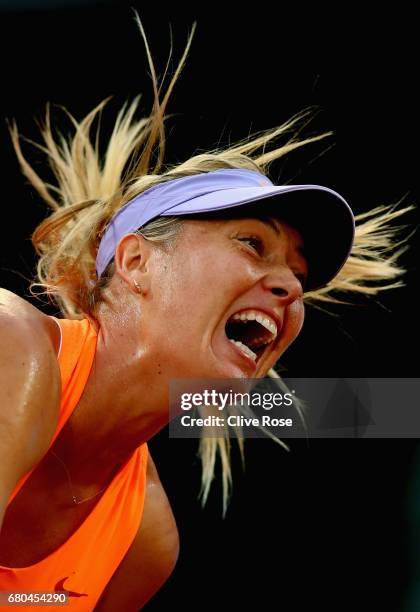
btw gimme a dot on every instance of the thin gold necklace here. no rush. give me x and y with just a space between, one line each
74 497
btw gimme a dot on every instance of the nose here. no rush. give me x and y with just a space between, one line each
284 285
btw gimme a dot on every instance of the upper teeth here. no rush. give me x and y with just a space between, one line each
255 315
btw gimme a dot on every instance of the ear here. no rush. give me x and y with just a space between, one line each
132 258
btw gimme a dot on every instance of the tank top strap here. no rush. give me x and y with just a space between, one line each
76 358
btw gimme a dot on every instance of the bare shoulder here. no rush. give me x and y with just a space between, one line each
152 556
16 311
30 387
13 303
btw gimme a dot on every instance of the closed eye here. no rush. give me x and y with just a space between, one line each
257 245
254 242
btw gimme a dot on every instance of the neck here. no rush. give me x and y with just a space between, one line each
123 405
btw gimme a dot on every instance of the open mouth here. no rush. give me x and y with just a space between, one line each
252 331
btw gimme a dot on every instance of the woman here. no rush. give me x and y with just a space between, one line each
149 265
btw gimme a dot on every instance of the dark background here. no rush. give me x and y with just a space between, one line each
327 524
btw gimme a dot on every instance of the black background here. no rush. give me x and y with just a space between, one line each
327 523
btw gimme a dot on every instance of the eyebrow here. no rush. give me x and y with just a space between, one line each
271 224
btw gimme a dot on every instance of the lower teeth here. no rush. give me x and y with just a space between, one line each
244 348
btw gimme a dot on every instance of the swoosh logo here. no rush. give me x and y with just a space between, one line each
60 587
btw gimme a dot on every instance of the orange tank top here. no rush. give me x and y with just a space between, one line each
85 563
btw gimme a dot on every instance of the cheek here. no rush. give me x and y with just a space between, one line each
179 304
298 314
196 283
294 321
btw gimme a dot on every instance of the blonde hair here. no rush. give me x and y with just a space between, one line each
90 188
